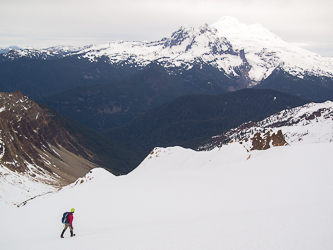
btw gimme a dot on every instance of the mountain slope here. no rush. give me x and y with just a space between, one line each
105 106
186 120
310 123
41 151
105 152
35 150
307 87
38 78
27 132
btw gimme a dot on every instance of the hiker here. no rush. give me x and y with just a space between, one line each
68 221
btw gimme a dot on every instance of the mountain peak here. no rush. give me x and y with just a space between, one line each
243 34
228 21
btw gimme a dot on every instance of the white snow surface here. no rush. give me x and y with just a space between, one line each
280 198
311 123
16 188
265 51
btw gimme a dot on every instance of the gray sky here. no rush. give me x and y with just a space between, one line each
45 23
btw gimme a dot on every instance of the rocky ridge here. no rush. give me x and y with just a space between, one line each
36 154
311 123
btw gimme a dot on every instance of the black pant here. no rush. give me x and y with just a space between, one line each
65 228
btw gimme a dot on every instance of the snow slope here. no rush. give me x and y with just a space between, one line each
266 51
307 124
15 188
280 198
311 123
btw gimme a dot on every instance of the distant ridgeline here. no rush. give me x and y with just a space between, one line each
188 120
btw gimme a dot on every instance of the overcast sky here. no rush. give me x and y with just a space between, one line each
45 23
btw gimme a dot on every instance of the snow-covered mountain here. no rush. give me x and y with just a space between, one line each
228 44
311 123
13 47
248 52
44 54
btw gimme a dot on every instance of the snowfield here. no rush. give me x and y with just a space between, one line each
227 198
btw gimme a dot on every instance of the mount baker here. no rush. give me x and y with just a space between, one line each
228 45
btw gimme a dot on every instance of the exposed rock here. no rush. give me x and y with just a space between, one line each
31 143
268 140
311 123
